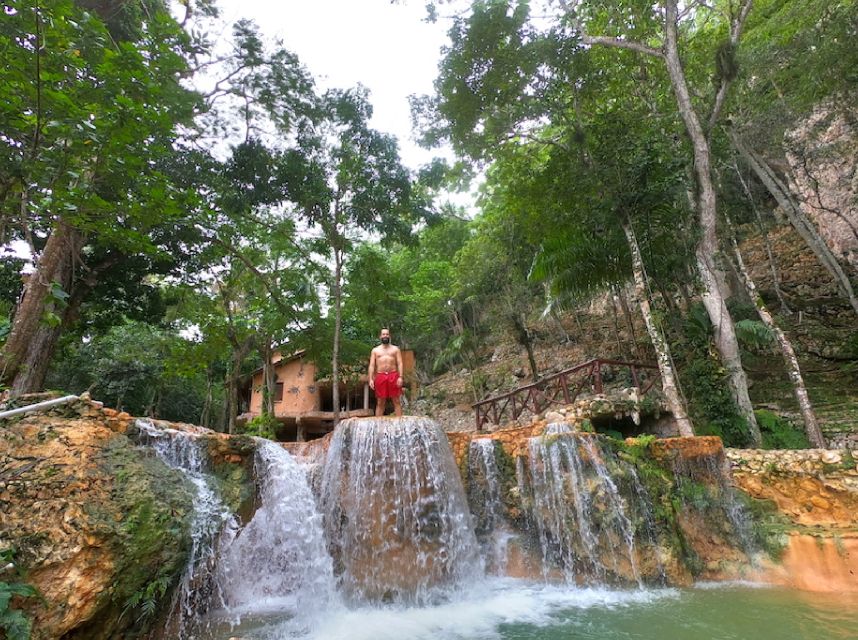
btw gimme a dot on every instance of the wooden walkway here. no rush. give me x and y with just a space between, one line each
560 389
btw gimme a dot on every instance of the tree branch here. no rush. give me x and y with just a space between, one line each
736 26
620 44
269 287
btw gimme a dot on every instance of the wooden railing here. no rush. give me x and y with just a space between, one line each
561 388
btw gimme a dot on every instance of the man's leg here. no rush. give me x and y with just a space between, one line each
397 406
380 404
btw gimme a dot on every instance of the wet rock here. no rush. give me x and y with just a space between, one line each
554 416
93 517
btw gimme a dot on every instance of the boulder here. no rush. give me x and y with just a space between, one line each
95 520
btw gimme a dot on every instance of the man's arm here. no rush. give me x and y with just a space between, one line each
371 372
399 367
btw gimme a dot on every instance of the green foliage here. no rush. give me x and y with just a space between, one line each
639 448
137 367
780 82
13 622
780 433
263 426
147 598
705 383
754 335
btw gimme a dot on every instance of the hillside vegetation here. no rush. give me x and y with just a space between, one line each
671 182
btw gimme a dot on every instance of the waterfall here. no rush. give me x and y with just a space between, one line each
704 484
396 518
485 496
581 519
278 559
184 451
386 521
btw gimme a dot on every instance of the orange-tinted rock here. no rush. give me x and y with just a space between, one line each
70 484
687 448
812 563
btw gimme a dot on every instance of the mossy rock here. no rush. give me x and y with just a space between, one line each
147 523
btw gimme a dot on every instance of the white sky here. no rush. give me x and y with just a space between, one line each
386 47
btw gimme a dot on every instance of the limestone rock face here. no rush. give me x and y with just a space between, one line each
98 524
821 154
811 487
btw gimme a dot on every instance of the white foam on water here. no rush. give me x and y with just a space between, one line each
476 614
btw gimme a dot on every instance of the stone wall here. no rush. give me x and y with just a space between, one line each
811 487
842 439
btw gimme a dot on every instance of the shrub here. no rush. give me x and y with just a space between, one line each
262 426
780 433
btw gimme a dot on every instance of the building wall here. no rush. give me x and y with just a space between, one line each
300 392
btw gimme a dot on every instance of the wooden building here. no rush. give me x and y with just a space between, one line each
303 405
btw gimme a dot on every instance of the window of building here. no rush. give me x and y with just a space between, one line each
278 392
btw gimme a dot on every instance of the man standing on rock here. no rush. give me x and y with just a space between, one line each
385 374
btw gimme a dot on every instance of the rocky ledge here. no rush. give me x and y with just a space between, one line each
98 525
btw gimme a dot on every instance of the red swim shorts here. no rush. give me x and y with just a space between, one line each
385 385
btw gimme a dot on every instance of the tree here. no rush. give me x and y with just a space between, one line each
88 118
505 75
349 181
779 87
664 23
625 180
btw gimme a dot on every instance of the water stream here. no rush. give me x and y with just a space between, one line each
582 519
278 560
184 451
396 518
387 548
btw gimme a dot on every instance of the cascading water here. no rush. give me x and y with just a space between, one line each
704 484
581 519
386 528
485 496
183 451
396 518
278 560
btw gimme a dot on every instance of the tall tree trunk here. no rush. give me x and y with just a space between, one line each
31 376
811 427
335 352
797 218
239 353
615 317
711 276
268 382
630 322
560 328
26 354
205 413
523 338
662 349
773 265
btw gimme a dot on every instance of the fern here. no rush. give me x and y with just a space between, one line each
754 335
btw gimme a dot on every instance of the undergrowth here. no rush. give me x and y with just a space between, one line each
780 433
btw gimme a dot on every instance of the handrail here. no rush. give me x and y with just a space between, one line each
532 390
39 406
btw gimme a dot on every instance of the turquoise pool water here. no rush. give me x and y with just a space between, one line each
507 609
